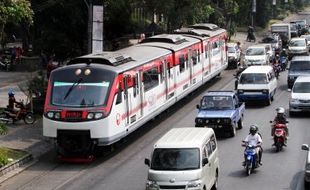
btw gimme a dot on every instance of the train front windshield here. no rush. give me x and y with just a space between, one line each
73 88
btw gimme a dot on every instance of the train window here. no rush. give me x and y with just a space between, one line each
194 57
198 55
162 72
182 63
215 49
119 95
206 51
150 78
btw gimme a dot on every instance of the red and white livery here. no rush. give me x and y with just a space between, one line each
98 99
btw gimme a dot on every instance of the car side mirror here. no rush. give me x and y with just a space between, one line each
205 161
147 162
198 106
305 147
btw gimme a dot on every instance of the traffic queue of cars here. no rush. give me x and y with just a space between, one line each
195 150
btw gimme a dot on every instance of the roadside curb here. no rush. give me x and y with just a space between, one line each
16 167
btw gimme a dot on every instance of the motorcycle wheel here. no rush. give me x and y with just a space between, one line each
4 118
29 118
278 146
248 168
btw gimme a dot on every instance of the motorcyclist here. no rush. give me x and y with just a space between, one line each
255 139
281 119
250 34
11 105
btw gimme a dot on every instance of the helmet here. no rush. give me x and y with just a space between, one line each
253 129
280 111
11 93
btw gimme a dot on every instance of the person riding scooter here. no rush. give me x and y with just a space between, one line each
280 119
12 104
255 139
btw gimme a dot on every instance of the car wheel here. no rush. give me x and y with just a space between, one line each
268 102
240 123
307 185
233 131
215 185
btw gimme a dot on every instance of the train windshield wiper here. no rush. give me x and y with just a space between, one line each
72 87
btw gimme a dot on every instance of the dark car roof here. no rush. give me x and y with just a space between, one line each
220 93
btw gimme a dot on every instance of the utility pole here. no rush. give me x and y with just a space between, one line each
89 25
253 12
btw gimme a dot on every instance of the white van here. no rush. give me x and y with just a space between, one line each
184 158
256 55
257 83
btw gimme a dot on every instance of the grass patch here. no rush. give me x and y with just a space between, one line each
3 129
8 155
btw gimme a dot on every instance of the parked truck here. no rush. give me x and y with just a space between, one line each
221 111
284 30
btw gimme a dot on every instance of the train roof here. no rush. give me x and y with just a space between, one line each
174 42
123 59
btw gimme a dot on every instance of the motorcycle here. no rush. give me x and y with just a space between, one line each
251 160
277 68
283 62
279 135
251 37
25 114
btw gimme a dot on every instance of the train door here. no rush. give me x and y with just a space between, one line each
168 77
183 72
190 65
126 99
207 65
133 97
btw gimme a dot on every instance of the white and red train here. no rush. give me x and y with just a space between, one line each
98 99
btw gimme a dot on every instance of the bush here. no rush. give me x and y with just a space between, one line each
4 160
3 129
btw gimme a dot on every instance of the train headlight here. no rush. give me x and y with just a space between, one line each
98 115
50 114
53 114
90 115
57 115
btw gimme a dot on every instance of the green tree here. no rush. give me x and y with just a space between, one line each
16 12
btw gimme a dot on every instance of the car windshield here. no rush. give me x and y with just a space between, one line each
296 43
253 78
175 159
301 87
69 90
300 65
231 50
217 102
255 51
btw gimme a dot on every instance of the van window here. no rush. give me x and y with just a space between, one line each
301 87
255 51
175 159
253 78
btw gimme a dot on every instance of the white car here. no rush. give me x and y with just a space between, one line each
300 95
234 54
307 36
307 166
297 46
256 55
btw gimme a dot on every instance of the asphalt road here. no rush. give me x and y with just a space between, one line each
124 168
